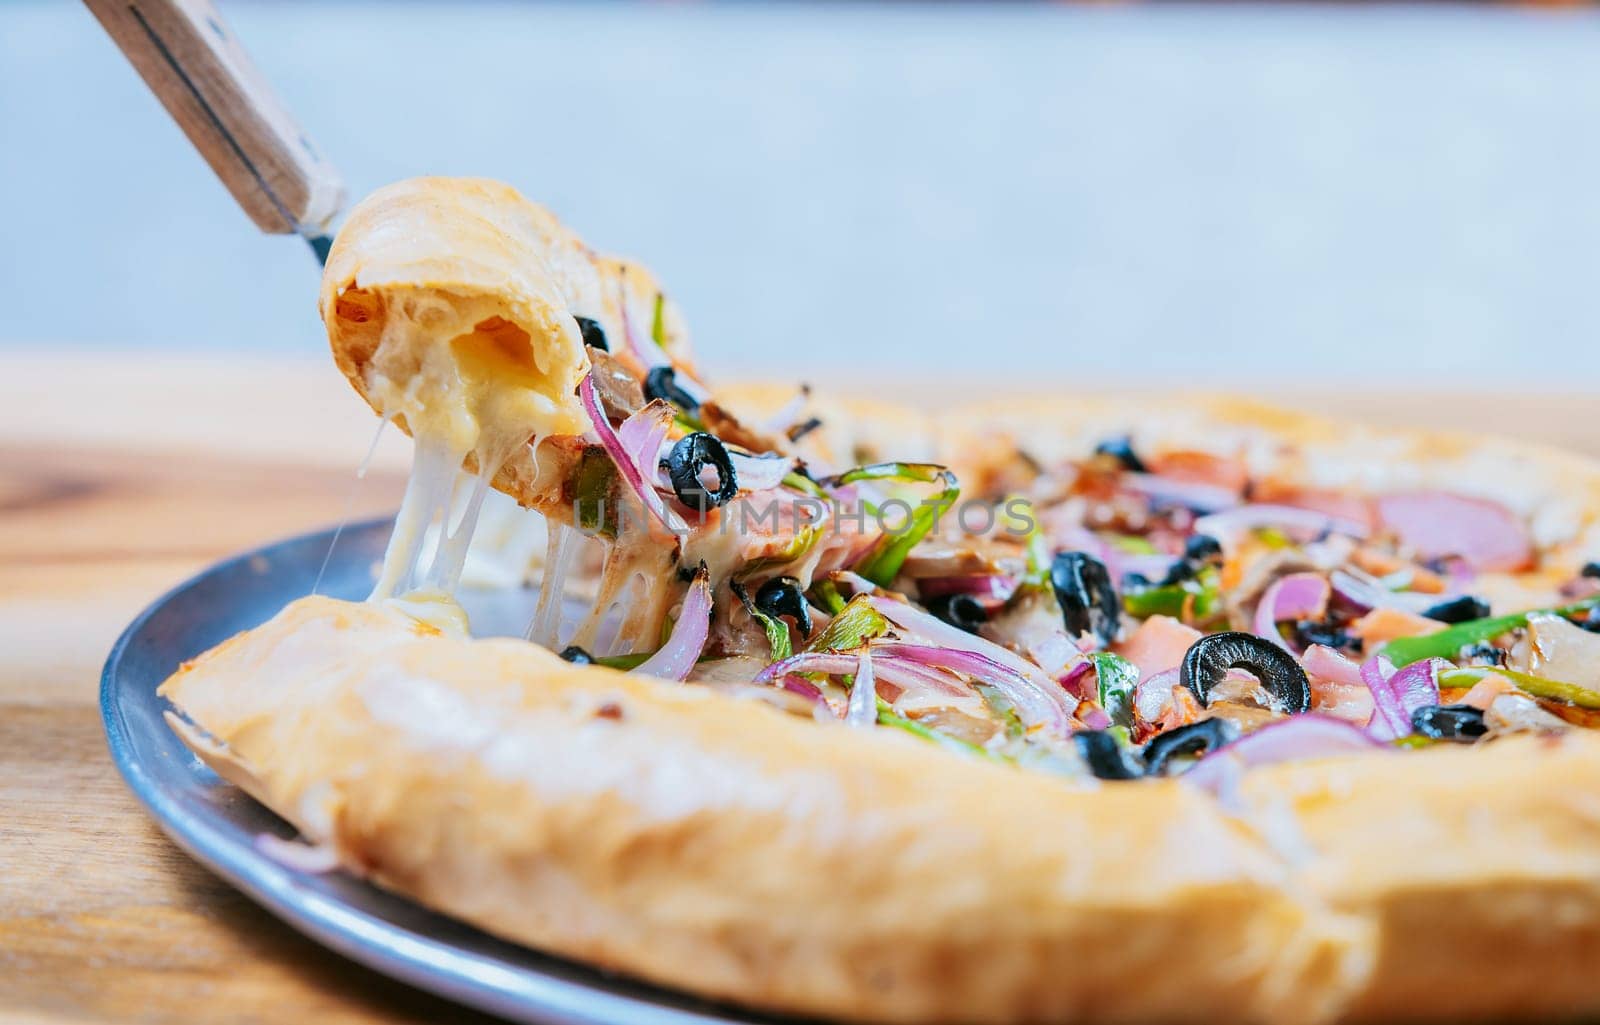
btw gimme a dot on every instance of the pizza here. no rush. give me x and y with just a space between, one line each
1052 708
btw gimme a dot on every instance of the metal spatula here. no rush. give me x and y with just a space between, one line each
195 65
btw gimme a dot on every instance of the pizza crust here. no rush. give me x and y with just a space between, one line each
726 848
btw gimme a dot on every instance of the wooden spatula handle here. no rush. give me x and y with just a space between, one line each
196 66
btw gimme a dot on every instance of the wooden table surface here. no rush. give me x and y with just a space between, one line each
119 477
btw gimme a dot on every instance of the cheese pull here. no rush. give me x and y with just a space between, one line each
460 310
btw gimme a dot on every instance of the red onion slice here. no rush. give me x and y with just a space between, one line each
1230 524
760 473
1365 592
688 638
908 676
1297 738
1039 700
968 663
999 586
1203 498
643 434
1151 695
863 710
803 687
1395 695
1295 596
626 464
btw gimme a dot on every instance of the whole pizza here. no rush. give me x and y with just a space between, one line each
1051 708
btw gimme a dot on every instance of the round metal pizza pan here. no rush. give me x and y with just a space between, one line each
218 824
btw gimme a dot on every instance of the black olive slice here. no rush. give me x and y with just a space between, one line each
1199 551
1104 756
1310 631
1121 449
1208 660
688 458
1202 550
662 383
781 596
1206 735
1458 610
593 333
576 655
1590 569
1083 590
1461 723
962 611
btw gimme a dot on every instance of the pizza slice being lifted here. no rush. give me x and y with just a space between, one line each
1155 710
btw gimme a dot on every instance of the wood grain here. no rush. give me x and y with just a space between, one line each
118 478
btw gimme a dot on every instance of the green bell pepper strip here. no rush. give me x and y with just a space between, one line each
1132 545
1115 678
1538 686
624 661
1037 574
1171 600
804 485
889 717
658 321
594 488
853 625
1447 643
825 594
889 554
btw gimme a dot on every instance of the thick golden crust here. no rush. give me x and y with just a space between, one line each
724 847
1479 869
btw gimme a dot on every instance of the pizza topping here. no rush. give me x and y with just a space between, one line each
1463 723
662 383
692 457
1105 755
1462 609
1435 524
782 596
1083 589
1197 738
688 638
1298 596
1235 525
620 394
1397 694
962 611
1293 739
594 336
625 461
1447 643
1121 449
1208 660
576 655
